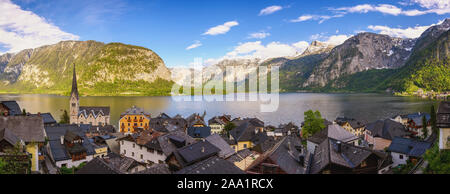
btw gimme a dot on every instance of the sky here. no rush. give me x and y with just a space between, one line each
182 30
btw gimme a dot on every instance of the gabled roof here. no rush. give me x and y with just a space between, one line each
197 152
8 136
225 148
27 128
47 118
387 129
351 121
245 131
199 132
169 147
212 165
135 111
350 156
13 107
332 131
409 147
285 154
97 166
59 151
94 110
240 155
418 117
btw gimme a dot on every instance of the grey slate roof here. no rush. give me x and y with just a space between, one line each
286 155
332 131
212 165
27 128
417 118
47 117
240 155
97 166
8 136
169 147
59 151
353 122
94 110
443 115
195 152
199 132
13 107
225 148
350 156
387 129
156 169
409 147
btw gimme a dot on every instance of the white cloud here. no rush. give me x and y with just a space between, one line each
322 18
20 29
410 32
195 45
257 50
259 35
337 39
301 46
332 40
439 7
221 29
270 10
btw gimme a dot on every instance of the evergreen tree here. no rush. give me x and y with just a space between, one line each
65 119
424 127
433 121
24 112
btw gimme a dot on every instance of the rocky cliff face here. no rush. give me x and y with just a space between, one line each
362 52
50 67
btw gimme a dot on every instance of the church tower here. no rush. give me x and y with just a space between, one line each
74 99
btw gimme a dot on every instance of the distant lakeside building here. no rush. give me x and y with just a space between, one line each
94 115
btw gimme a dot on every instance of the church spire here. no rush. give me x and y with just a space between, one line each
74 83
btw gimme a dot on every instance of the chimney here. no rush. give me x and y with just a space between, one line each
39 114
203 149
339 146
62 140
98 129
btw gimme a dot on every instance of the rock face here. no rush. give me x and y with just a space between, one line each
362 52
50 67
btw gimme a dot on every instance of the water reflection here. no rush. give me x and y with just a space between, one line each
368 107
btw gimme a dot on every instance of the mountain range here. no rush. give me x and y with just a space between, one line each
366 62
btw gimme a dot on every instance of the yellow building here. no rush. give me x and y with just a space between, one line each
133 120
243 135
353 126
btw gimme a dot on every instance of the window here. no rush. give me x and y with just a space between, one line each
132 154
124 151
128 124
140 147
64 165
122 142
160 153
401 156
245 145
142 156
134 145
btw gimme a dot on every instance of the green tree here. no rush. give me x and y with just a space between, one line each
433 121
313 123
15 161
438 161
65 119
228 127
24 112
424 127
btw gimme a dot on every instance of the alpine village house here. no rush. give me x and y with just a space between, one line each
96 116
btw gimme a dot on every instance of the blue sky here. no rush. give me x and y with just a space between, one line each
181 30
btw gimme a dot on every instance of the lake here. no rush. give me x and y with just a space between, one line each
369 107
